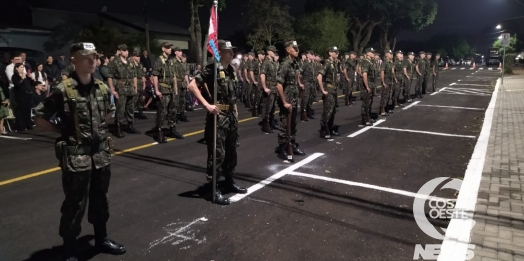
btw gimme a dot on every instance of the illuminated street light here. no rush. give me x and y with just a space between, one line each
498 26
500 37
239 56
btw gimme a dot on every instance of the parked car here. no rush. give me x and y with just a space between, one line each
466 61
493 61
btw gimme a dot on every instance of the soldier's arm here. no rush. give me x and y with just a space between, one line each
394 75
246 75
321 73
200 80
110 76
383 74
252 74
281 79
263 71
156 72
418 70
46 109
406 73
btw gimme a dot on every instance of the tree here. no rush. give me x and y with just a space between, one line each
322 29
510 49
462 49
62 35
270 23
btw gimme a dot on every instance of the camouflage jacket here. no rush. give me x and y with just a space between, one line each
435 65
329 72
369 67
351 66
164 69
308 72
254 67
288 76
180 70
410 68
122 73
399 69
270 69
139 70
82 111
428 65
387 67
421 63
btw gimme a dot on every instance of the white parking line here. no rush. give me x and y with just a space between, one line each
364 185
452 107
426 132
353 135
463 68
411 105
276 176
439 90
471 84
451 92
14 138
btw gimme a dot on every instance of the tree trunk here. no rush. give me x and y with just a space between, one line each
203 60
369 30
195 31
198 32
394 42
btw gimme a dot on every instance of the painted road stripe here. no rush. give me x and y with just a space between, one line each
364 185
472 84
469 90
439 91
14 138
365 129
425 132
453 68
458 234
450 92
452 107
462 68
276 176
411 105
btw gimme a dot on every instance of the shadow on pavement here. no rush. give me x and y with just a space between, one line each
84 250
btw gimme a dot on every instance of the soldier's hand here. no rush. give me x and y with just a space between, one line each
256 83
268 91
158 94
115 94
385 85
301 86
368 89
212 109
288 106
324 92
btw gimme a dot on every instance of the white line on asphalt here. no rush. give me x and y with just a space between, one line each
276 176
452 107
364 185
467 90
458 234
14 138
462 68
354 134
439 90
453 68
426 132
453 83
450 92
459 80
179 234
411 105
471 84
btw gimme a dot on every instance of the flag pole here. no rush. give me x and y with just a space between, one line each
215 3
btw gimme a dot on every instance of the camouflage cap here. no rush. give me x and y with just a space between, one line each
166 45
389 51
437 54
333 49
122 47
271 48
251 54
399 51
225 45
353 52
177 49
83 48
291 43
369 50
428 53
411 53
309 52
422 52
260 52
136 53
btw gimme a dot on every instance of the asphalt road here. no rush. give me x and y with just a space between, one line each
322 207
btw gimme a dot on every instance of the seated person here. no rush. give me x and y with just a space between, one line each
39 94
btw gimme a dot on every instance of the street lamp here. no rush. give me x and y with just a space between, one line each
498 26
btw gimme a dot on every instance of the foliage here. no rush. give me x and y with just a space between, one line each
322 29
509 62
462 49
510 49
270 23
62 35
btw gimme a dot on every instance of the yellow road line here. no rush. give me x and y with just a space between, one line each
120 152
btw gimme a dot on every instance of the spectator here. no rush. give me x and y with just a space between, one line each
23 96
39 94
61 63
52 71
70 67
5 59
104 70
198 69
4 107
10 69
146 61
111 58
27 65
96 73
40 76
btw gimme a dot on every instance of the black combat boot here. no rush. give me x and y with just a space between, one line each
296 150
174 134
131 129
282 152
68 249
233 187
106 245
119 133
334 132
141 114
160 136
303 116
220 199
183 117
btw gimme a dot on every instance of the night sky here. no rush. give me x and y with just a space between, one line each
454 16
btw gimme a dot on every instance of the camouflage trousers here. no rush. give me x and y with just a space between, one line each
79 187
367 100
140 100
385 95
407 87
420 83
398 87
348 91
328 113
268 103
257 92
182 93
226 146
248 92
166 108
434 81
125 105
291 98
310 93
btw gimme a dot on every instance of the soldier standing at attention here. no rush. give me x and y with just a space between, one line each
182 78
369 78
307 74
387 78
268 80
410 75
350 66
421 70
435 71
123 83
247 77
225 110
166 90
141 81
428 73
84 150
254 73
399 78
243 81
288 91
327 77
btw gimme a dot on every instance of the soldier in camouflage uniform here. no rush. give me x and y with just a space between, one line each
141 82
410 75
182 78
226 113
308 72
84 149
166 90
243 81
327 80
123 83
428 74
387 81
435 71
349 68
247 77
399 78
421 73
268 80
369 77
254 72
288 91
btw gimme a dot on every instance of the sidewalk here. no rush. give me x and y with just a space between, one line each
499 230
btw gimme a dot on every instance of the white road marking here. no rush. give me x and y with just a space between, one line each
276 176
453 68
490 69
426 132
453 84
462 68
354 134
452 107
470 84
411 105
459 80
14 138
469 90
182 234
480 69
364 185
439 90
458 234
